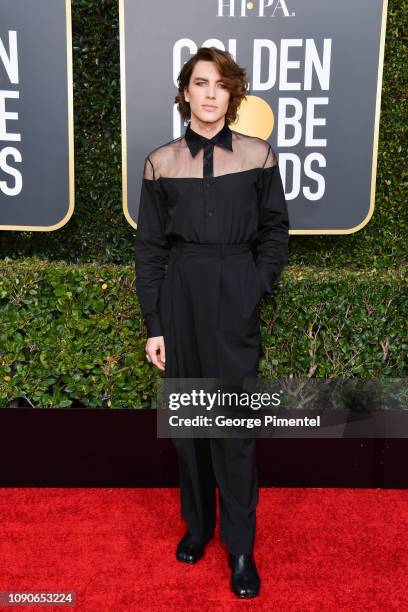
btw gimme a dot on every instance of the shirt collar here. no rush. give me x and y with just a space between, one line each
195 141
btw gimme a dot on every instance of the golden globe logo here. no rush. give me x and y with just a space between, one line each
259 8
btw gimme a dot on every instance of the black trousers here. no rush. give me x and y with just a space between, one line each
230 463
208 309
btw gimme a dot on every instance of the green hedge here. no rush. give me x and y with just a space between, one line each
72 335
98 231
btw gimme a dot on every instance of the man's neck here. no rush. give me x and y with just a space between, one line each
206 128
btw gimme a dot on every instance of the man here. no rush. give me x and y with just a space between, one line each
212 206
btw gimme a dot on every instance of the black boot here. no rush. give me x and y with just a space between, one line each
245 580
190 551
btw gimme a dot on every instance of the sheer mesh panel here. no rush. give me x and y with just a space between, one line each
148 172
270 160
174 159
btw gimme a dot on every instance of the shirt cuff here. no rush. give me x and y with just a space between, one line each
153 325
263 280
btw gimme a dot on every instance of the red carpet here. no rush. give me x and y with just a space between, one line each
316 549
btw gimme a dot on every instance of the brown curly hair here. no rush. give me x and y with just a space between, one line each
234 77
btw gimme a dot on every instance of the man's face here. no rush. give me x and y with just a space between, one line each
207 93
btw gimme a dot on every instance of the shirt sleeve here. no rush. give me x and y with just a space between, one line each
272 242
151 249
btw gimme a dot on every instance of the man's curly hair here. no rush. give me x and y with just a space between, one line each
234 77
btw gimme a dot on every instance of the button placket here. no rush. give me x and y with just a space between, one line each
207 174
208 159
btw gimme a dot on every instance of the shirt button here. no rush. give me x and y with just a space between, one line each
207 184
210 214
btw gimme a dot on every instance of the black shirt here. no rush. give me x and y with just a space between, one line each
226 189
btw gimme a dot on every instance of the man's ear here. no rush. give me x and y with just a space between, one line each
186 94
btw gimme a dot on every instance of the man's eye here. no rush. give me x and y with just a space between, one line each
222 85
